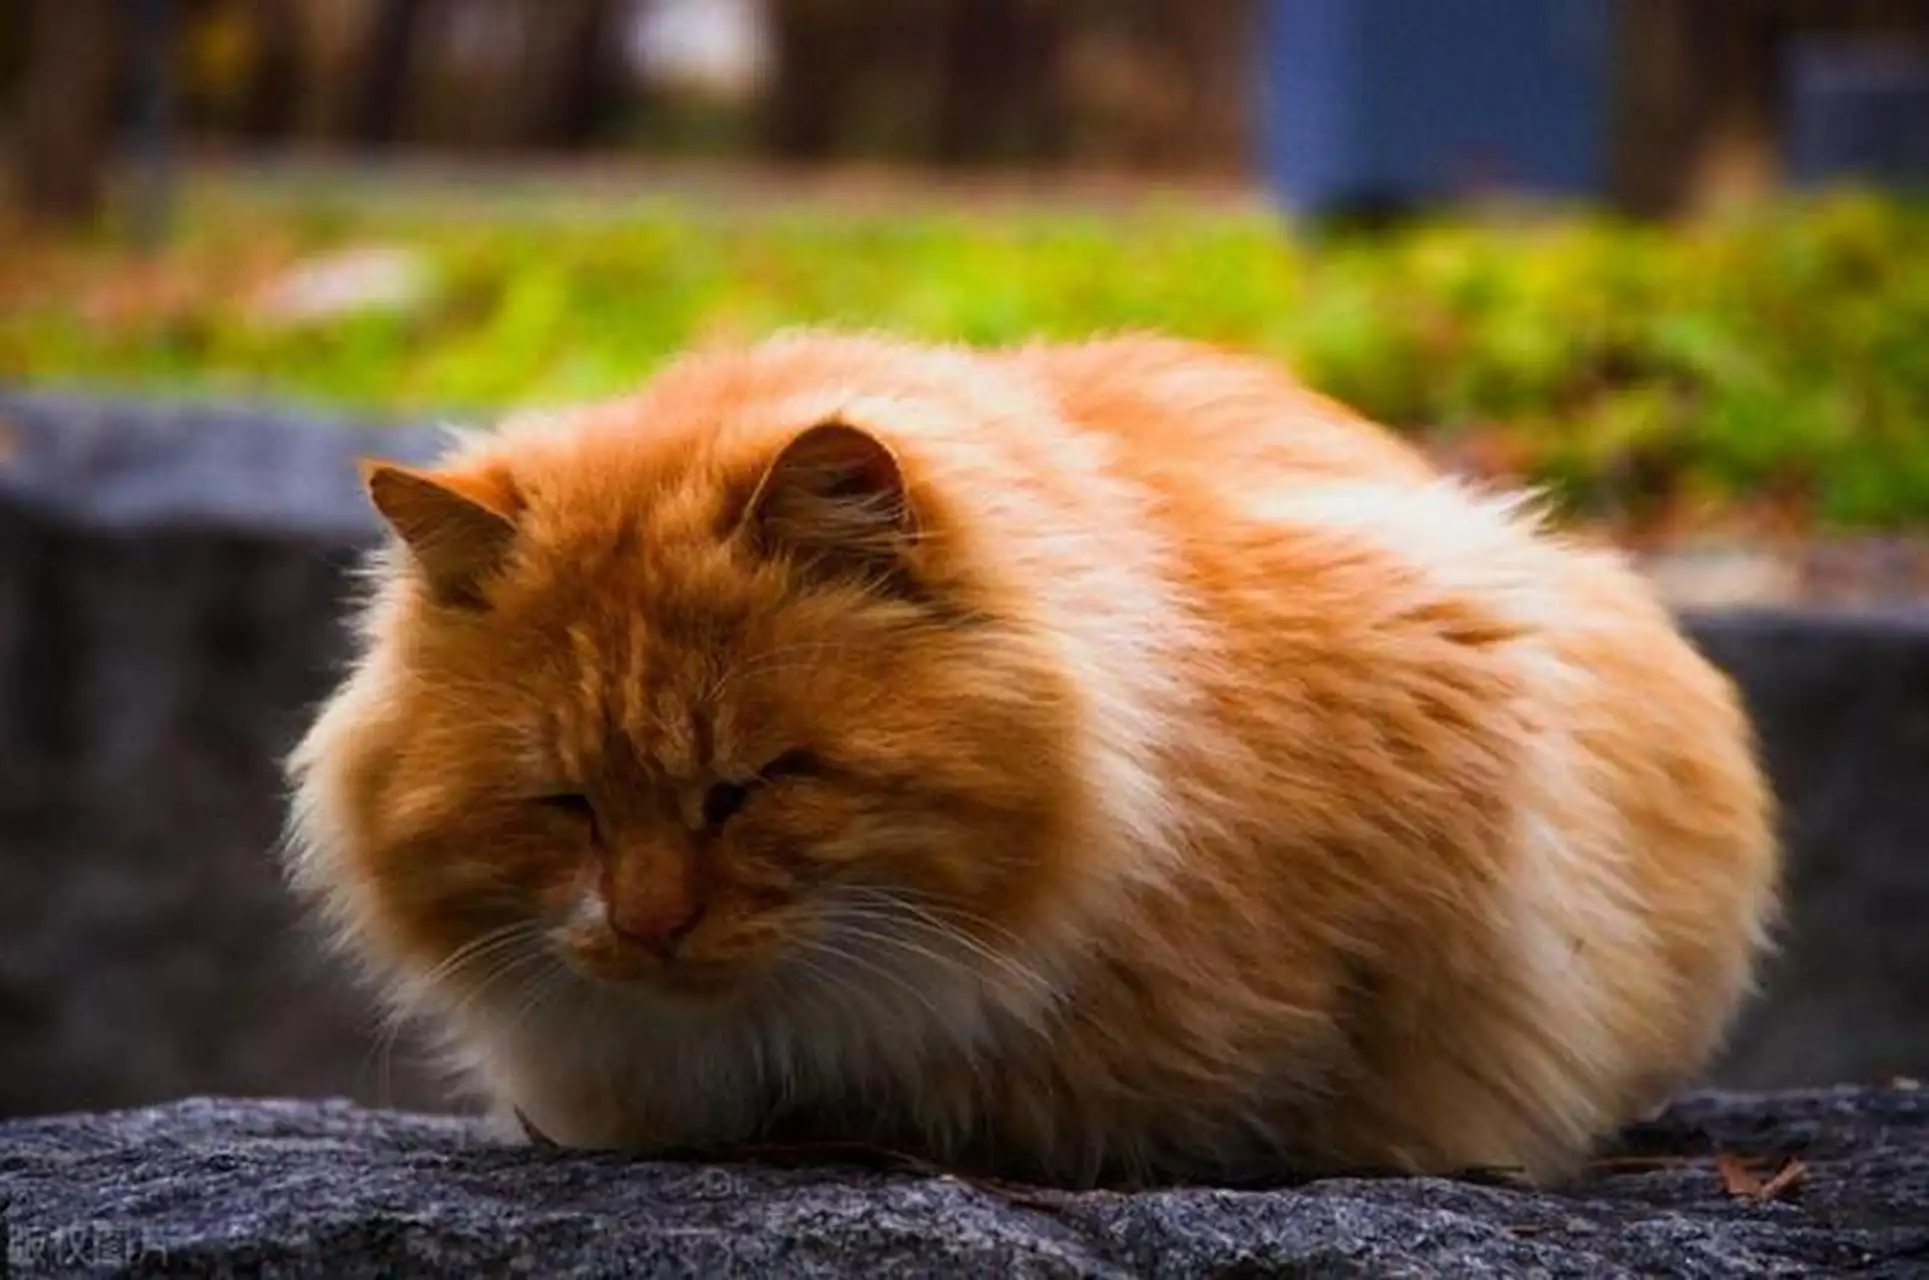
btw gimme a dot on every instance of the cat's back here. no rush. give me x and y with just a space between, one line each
1596 846
1185 414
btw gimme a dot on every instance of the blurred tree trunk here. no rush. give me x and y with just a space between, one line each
593 91
507 74
815 44
385 72
274 81
1211 43
1698 103
67 98
567 72
998 80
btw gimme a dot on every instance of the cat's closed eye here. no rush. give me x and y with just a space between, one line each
796 763
724 800
722 803
569 804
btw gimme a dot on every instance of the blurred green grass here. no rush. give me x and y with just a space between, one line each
1779 356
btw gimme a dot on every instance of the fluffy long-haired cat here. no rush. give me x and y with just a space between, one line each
1075 762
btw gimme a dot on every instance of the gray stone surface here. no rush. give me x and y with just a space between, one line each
1842 704
171 581
171 584
285 1188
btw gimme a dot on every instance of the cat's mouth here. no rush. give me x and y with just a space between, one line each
608 959
692 972
717 960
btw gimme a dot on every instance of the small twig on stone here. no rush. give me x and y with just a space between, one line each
536 1136
1741 1181
1736 1177
1787 1179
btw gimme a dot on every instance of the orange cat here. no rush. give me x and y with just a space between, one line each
1088 762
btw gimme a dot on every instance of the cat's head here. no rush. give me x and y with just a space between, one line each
688 706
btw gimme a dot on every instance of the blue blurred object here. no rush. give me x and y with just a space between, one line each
1395 103
1858 109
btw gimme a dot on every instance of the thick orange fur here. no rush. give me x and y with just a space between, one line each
1163 773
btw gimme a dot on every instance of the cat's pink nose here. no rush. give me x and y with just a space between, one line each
653 929
655 913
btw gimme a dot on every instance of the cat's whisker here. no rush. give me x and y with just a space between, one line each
897 944
891 942
480 989
538 992
939 908
482 945
832 950
902 913
398 1018
956 924
830 980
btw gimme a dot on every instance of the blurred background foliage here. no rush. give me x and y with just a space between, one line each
1775 355
452 206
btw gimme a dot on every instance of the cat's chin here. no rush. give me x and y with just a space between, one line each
679 982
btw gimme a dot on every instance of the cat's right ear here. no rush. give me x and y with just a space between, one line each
457 528
834 496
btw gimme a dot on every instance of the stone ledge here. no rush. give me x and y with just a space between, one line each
214 1186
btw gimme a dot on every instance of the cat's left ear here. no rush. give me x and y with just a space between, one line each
836 495
458 528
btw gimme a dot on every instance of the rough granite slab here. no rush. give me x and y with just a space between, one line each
213 1186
